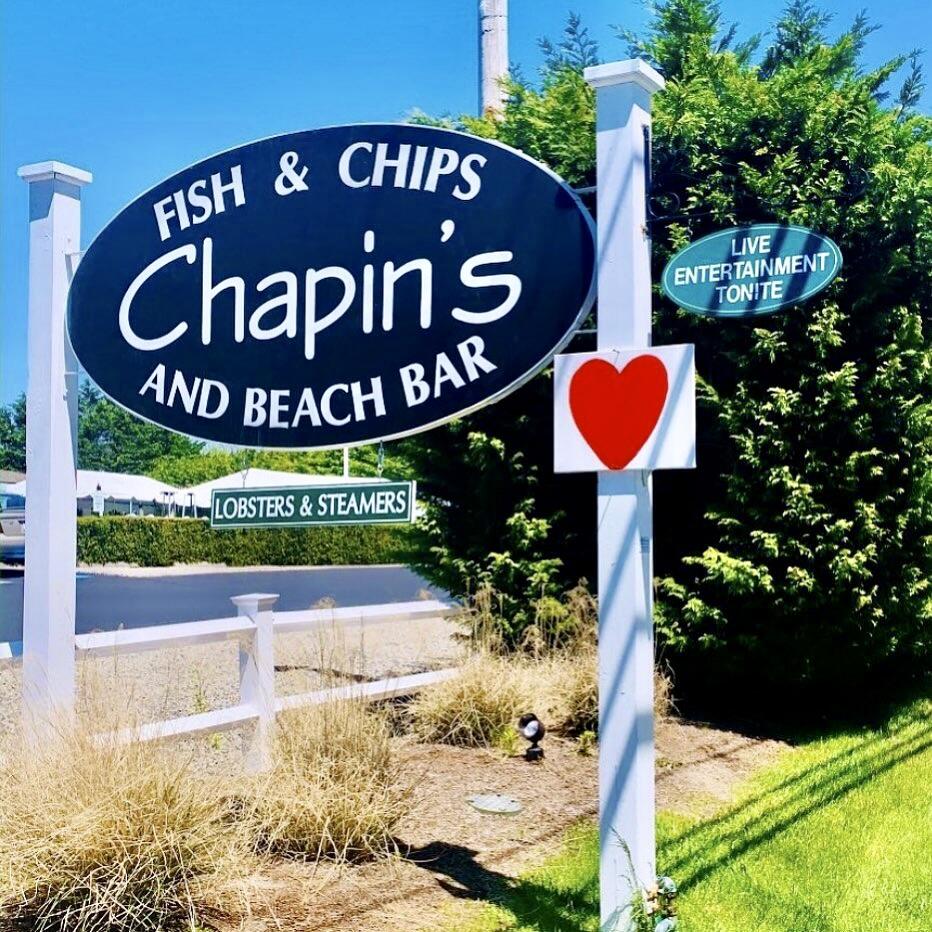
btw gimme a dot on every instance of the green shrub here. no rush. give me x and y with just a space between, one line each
164 541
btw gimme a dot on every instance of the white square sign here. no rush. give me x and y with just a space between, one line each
625 409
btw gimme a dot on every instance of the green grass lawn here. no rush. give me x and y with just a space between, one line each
837 837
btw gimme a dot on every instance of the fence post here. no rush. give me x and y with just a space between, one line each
257 675
51 428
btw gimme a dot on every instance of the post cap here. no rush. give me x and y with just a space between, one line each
44 171
257 601
631 71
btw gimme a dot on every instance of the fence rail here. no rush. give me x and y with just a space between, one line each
254 628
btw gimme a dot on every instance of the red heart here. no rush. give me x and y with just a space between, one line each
617 411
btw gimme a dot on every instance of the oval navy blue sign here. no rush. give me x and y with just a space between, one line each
333 287
746 271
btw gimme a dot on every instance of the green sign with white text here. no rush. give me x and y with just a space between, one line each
304 506
752 270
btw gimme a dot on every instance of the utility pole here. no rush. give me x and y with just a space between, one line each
493 54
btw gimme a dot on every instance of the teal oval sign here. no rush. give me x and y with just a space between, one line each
747 271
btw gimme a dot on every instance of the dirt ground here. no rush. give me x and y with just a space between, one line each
450 854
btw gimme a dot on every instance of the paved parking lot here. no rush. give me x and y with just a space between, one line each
106 601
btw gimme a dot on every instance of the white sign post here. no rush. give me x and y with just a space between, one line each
51 437
626 645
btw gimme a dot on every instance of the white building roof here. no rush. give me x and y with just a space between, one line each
262 479
113 485
145 489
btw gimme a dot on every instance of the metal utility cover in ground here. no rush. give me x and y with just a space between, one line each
305 506
495 804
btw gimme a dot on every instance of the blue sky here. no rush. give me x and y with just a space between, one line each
134 91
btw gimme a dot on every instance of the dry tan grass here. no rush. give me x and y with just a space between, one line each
664 702
573 699
479 706
548 675
574 692
554 674
335 790
558 625
97 836
563 626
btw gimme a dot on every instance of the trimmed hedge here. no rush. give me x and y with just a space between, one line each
164 541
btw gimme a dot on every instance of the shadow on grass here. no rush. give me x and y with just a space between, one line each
564 897
695 853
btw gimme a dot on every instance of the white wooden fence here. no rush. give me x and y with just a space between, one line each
254 627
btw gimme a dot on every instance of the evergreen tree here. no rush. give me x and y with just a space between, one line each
814 513
13 435
798 554
111 438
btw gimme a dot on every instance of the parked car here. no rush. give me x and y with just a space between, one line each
12 528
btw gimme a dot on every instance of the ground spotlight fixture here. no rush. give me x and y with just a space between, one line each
532 729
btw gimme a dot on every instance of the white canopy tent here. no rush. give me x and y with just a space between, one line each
127 490
262 479
143 495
